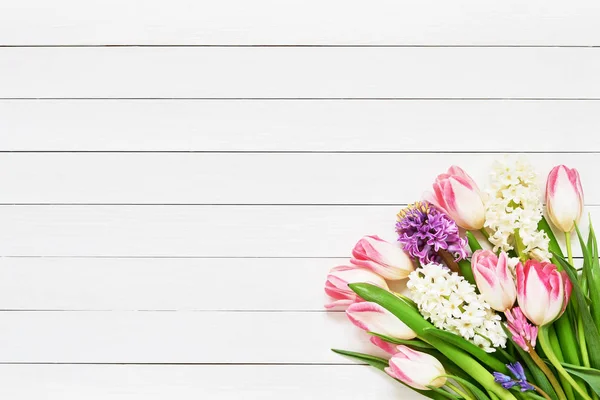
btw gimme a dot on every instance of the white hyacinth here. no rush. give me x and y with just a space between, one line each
514 205
452 304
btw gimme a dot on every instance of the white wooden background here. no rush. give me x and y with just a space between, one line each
177 177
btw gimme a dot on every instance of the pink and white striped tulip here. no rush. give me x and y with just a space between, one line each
416 369
381 257
542 291
371 317
494 279
457 194
564 197
339 278
388 347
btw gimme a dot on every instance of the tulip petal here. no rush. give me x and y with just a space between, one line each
372 317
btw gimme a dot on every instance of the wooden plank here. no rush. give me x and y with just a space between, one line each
192 382
299 125
166 284
251 178
299 72
195 231
163 283
179 337
270 22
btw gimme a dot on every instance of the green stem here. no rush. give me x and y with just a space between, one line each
458 391
520 247
569 250
545 343
485 233
582 343
553 381
557 349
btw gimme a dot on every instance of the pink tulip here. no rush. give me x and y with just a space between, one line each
381 257
339 278
388 347
542 291
416 369
371 317
494 279
457 194
564 197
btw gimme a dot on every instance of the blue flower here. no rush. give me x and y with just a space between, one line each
519 379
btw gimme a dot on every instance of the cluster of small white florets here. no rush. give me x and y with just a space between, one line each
452 304
514 205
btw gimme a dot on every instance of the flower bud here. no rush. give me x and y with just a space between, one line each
339 278
542 291
564 197
494 279
416 369
457 194
381 257
371 317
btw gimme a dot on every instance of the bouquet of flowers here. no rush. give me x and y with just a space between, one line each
478 300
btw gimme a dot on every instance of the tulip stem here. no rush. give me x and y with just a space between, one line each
569 250
458 391
553 381
545 343
485 233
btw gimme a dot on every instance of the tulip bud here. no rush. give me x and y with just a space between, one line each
564 197
542 291
388 347
339 278
381 257
457 194
371 317
494 279
416 369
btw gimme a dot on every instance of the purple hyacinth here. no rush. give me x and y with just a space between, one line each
424 230
519 379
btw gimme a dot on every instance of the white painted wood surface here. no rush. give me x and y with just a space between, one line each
299 125
301 72
298 22
169 207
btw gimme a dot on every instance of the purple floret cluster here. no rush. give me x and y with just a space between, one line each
424 230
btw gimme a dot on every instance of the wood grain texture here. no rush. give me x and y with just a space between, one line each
192 382
299 125
299 72
180 337
271 22
167 284
195 231
256 178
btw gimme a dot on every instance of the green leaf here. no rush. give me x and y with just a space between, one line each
478 393
506 356
467 272
591 270
414 343
377 362
467 346
473 243
444 393
418 324
591 331
590 375
553 246
381 364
